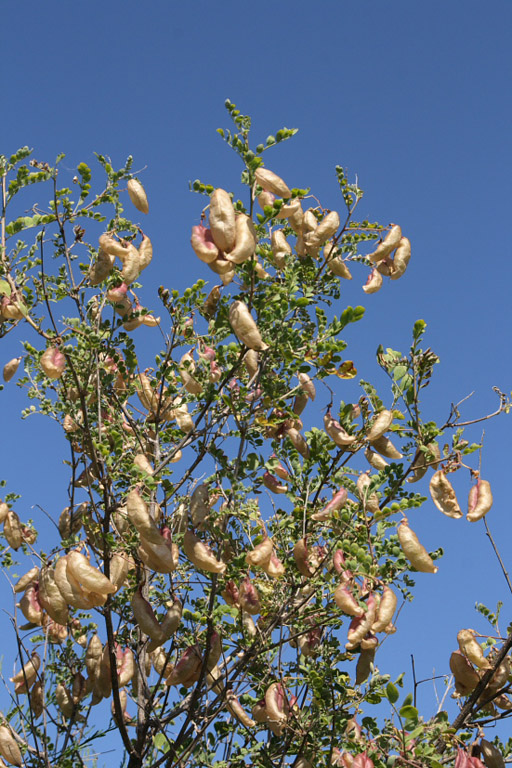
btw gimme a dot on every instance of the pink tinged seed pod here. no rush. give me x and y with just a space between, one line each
30 605
300 555
361 625
235 708
102 267
138 514
273 567
353 729
271 182
28 579
201 555
10 368
203 245
415 552
480 500
231 594
364 666
472 649
222 220
466 677
260 554
273 484
249 598
145 617
138 195
390 242
188 669
162 557
298 441
336 431
443 495
386 610
362 761
346 601
337 502
51 597
380 425
374 282
374 460
89 577
281 470
244 327
401 259
53 363
277 707
13 530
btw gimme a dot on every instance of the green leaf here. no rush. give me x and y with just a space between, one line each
410 713
418 329
5 288
408 700
392 693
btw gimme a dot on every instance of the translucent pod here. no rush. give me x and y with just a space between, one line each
89 576
346 601
415 552
37 699
337 502
102 267
249 598
390 242
273 567
374 282
335 263
271 182
336 432
443 495
401 259
472 649
385 611
245 240
31 607
4 511
51 597
325 229
222 220
31 577
370 500
13 530
261 553
385 447
364 665
203 245
201 555
169 624
186 368
71 590
276 707
162 557
374 460
188 668
491 754
145 617
300 555
466 678
131 265
53 363
120 565
361 625
298 441
273 484
138 195
145 252
26 677
381 424
281 248
199 505
138 514
64 701
9 747
235 708
480 500
244 326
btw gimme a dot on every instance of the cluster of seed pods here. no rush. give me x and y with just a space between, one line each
468 664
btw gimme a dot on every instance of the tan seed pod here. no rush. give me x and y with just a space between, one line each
374 460
370 500
235 708
380 425
53 363
415 552
301 557
120 566
13 530
26 677
71 591
443 495
131 265
385 447
186 368
385 611
212 300
401 259
201 555
472 649
346 601
10 368
145 252
273 567
244 326
138 195
90 577
261 553
390 242
271 182
307 385
37 699
8 747
4 511
188 669
245 240
162 557
364 666
338 267
480 500
361 625
248 625
70 522
277 707
51 597
146 619
222 220
30 606
325 229
336 432
251 362
102 267
337 502
199 505
491 754
374 282
110 245
466 677
28 578
142 462
298 441
138 514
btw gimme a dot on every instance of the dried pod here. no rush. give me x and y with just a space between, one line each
336 432
364 666
120 565
466 678
273 567
381 424
203 245
273 484
385 447
415 552
71 521
30 605
472 649
335 263
374 460
162 557
51 597
261 553
361 625
138 195
337 502
248 624
265 198
102 267
87 575
53 363
145 617
31 577
480 500
188 669
374 282
244 327
301 557
298 441
385 610
401 259
37 699
131 265
249 598
4 511
370 500
236 709
13 530
245 240
492 756
186 368
276 707
222 220
10 368
9 747
390 242
346 601
271 182
138 514
325 229
201 555
443 495
26 677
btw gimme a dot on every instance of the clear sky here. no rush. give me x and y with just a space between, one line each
413 97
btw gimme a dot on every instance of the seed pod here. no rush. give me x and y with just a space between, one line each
337 502
30 605
298 441
276 707
472 649
138 195
90 578
139 516
361 625
37 699
364 665
145 617
51 597
300 555
186 368
273 567
203 245
31 577
4 511
466 678
188 669
199 505
390 242
53 363
385 447
145 252
443 495
236 709
249 598
261 553
325 229
245 240
380 425
131 265
335 263
415 553
336 431
26 677
374 282
370 500
492 756
374 460
385 611
248 624
401 259
64 701
162 557
70 589
10 368
480 500
244 327
222 220
346 601
271 182
8 747
201 555
419 465
102 267
120 565
273 484
13 530
265 198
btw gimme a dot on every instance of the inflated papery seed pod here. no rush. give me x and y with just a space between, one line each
443 495
203 245
385 610
93 656
71 521
245 240
131 265
276 707
335 263
4 511
261 553
419 465
53 363
244 327
199 505
472 649
9 747
249 598
336 432
374 282
120 565
390 242
381 424
87 575
491 754
222 220
271 182
51 597
145 617
325 229
162 557
298 441
346 601
186 369
145 252
13 530
499 678
415 552
364 665
273 484
337 502
138 514
169 624
302 763
480 500
188 669
26 677
235 708
281 248
370 500
301 557
64 701
183 418
230 593
385 447
374 460
248 624
201 555
31 577
71 590
465 676
142 462
30 606
401 259
138 195
361 625
37 699
10 368
102 267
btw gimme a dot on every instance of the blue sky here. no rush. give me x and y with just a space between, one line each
412 97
